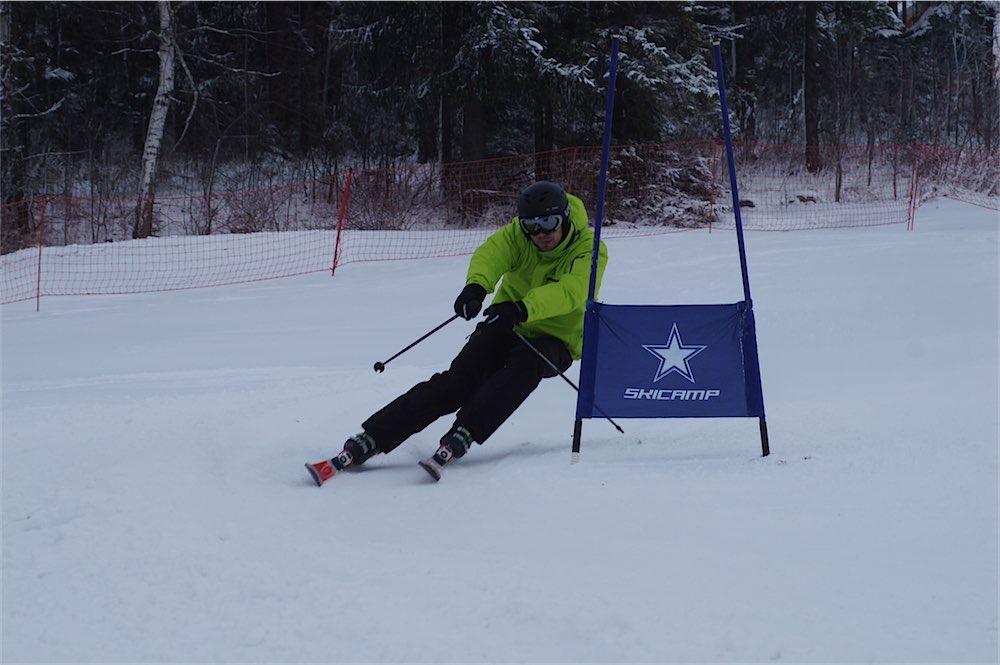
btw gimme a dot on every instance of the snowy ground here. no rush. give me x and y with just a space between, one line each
155 507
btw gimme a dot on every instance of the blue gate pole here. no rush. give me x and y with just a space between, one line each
727 133
731 161
609 108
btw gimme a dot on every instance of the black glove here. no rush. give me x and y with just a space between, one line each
470 301
506 315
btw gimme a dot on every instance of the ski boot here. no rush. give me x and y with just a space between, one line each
357 450
453 445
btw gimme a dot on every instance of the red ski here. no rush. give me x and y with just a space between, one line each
321 472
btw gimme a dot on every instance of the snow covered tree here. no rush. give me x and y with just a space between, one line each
260 88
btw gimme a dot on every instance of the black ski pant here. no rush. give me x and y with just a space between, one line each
489 378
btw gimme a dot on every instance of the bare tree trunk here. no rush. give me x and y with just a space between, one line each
743 66
157 120
996 43
473 129
12 136
841 93
543 134
450 22
810 85
988 95
426 116
15 231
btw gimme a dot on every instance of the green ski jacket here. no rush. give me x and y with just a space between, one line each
553 285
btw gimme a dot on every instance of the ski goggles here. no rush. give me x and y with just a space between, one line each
547 224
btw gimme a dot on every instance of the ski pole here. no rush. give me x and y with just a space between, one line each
564 378
380 367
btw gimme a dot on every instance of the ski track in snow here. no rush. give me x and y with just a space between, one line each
155 506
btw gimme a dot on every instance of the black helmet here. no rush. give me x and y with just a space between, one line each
541 199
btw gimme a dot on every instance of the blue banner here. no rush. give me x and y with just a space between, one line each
670 361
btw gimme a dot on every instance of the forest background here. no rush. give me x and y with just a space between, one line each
130 98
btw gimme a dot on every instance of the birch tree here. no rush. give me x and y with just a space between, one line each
157 121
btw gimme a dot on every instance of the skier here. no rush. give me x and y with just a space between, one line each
544 257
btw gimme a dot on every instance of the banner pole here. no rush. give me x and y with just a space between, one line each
731 161
609 108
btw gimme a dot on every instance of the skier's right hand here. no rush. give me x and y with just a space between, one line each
470 301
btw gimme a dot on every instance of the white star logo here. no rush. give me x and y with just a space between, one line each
674 356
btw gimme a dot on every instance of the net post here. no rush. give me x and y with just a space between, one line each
911 209
41 246
345 201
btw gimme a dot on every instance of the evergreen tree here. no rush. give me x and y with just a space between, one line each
262 88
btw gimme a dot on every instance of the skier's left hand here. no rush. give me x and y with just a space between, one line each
506 315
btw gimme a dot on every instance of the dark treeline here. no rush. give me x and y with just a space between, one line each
325 85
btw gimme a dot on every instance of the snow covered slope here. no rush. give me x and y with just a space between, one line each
155 506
